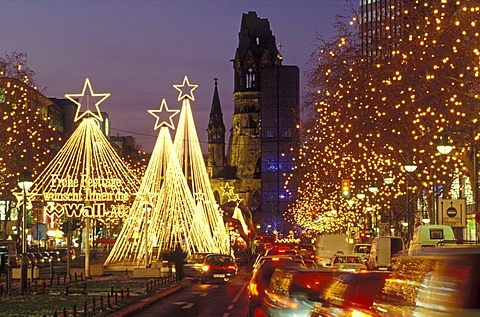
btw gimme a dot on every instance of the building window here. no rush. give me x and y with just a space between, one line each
250 79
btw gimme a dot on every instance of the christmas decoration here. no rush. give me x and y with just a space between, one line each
189 152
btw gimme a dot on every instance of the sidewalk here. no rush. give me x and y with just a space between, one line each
131 309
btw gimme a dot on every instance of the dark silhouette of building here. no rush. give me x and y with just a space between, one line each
266 113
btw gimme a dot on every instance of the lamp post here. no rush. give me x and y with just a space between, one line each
147 214
409 168
445 148
25 182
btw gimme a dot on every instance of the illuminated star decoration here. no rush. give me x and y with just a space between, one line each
199 196
185 90
89 95
163 114
227 190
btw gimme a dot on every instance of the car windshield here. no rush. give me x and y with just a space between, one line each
219 259
347 259
196 258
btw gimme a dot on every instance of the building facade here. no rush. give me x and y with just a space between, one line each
266 106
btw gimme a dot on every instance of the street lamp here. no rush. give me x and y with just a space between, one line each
445 148
148 208
409 168
25 182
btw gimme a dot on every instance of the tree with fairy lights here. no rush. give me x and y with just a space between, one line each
27 140
376 113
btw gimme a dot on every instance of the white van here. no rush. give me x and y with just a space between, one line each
330 244
428 236
382 250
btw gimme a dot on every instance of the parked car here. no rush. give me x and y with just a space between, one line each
39 259
440 282
261 279
295 291
348 263
351 294
32 260
218 267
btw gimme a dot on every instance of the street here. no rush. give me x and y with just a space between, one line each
208 300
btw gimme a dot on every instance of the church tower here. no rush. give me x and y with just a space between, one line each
265 117
216 136
256 50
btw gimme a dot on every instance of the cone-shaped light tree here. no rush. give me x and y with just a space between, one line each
192 163
87 175
164 212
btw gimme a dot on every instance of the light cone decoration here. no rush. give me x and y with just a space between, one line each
86 177
189 152
164 212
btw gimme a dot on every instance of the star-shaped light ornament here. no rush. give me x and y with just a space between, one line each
199 196
164 115
227 190
88 100
236 198
185 90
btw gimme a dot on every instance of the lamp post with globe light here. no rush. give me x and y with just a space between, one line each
409 168
25 182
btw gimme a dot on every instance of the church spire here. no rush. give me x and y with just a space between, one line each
216 136
216 127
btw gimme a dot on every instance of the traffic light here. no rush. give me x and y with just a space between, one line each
231 226
346 187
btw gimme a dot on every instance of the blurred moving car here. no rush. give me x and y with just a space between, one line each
275 252
351 294
261 279
430 236
193 264
307 251
439 282
362 250
330 244
382 250
218 267
295 291
348 263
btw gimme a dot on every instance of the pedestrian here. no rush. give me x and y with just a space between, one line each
179 260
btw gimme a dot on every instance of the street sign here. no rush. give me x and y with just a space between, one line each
452 212
354 232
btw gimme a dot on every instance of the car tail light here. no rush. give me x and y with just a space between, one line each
205 268
253 288
233 267
356 313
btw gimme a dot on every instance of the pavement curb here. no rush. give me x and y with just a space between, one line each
131 309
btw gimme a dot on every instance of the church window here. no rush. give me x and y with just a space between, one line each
250 79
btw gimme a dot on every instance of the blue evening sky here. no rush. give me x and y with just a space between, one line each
137 50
